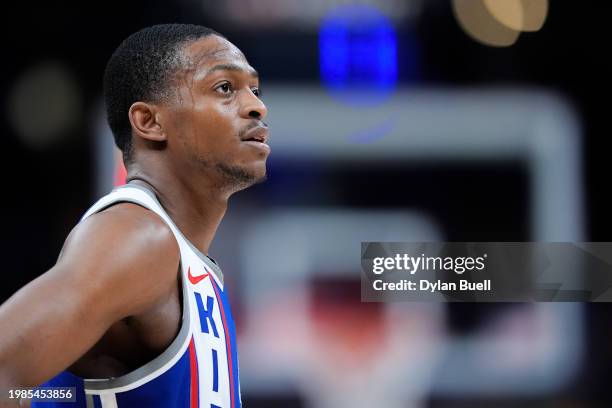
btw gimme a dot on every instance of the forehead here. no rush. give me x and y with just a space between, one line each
213 50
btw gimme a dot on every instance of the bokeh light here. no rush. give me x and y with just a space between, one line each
476 21
499 23
44 104
358 55
520 15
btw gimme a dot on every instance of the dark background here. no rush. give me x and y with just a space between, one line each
46 191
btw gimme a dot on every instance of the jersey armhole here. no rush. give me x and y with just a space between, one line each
158 365
164 361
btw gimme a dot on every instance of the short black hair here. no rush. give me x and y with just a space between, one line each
140 69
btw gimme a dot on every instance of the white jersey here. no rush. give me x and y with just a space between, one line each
200 367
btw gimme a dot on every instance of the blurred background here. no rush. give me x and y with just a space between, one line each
391 120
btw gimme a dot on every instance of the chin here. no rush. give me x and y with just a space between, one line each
258 175
241 177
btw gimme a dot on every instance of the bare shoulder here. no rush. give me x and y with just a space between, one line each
127 250
128 224
118 263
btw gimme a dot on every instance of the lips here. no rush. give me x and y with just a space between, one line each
257 134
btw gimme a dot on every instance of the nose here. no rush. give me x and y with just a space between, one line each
253 107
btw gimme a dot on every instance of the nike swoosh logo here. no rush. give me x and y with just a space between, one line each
195 279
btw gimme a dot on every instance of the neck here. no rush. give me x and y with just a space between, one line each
197 212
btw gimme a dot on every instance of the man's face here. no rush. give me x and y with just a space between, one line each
215 126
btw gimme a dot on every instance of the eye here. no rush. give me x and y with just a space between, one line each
225 88
256 91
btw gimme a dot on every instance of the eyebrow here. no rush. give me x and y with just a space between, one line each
232 67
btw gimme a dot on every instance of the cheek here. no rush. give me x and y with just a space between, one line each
207 127
215 125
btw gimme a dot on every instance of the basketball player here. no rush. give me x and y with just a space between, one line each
134 313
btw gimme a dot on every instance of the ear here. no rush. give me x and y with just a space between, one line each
143 117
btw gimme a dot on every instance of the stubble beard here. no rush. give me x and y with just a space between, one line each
238 178
232 178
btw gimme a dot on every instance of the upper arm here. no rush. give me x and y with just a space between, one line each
114 264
